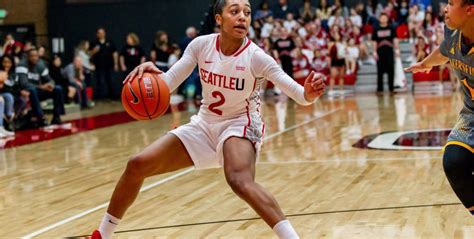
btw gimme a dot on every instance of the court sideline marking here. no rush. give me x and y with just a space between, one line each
348 160
167 179
289 215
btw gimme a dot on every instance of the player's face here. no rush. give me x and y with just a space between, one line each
235 19
456 14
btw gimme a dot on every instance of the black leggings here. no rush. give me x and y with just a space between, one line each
385 64
458 163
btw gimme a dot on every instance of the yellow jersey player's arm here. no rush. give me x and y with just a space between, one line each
433 59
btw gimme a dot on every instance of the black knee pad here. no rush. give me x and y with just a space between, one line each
458 164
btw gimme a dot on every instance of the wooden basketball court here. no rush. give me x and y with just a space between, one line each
327 187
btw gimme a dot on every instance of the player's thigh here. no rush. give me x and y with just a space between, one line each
166 154
458 160
239 159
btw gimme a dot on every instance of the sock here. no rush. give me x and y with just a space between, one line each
284 230
108 225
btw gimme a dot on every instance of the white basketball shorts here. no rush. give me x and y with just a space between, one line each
204 140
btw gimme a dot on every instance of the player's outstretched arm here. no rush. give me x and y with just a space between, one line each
434 59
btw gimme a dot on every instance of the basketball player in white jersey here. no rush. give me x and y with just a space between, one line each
228 130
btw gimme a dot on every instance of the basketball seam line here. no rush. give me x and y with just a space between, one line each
158 88
143 100
130 106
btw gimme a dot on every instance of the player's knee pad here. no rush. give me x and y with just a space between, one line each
458 164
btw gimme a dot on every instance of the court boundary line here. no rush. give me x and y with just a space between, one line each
167 179
288 215
346 161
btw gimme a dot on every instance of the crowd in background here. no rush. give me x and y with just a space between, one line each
333 39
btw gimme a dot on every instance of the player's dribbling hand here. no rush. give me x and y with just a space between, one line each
139 70
418 67
314 86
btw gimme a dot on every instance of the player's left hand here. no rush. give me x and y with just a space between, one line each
314 86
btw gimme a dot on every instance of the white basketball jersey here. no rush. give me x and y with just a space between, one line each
229 88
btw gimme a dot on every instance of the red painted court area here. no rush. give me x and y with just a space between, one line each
66 129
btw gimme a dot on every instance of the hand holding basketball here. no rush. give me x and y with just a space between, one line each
139 70
314 86
146 97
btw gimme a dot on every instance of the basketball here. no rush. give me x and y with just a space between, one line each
146 98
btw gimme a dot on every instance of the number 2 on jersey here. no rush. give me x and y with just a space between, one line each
213 106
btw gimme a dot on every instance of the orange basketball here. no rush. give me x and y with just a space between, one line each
146 98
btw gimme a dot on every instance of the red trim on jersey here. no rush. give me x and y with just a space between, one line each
245 47
217 43
248 118
248 113
263 129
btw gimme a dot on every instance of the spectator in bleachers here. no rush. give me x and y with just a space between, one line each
391 12
373 10
43 55
316 37
290 22
263 11
385 42
346 31
307 12
352 55
160 51
105 58
339 5
283 8
320 62
415 21
7 64
355 18
429 26
26 47
74 73
336 54
323 12
191 33
277 30
282 49
6 105
336 18
402 12
12 47
56 71
175 55
193 78
34 77
267 27
131 55
82 51
363 51
301 66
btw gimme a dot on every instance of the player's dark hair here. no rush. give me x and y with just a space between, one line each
468 2
219 6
